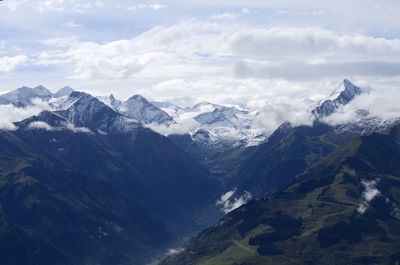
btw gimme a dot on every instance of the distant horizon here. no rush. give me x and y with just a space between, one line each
94 93
241 52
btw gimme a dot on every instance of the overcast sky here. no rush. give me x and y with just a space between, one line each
241 52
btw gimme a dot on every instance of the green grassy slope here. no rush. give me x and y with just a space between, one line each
316 220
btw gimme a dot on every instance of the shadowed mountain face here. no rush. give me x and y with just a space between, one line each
70 195
287 153
343 210
88 184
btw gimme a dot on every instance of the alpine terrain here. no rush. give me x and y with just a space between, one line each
99 180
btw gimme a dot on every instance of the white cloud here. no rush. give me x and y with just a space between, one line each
224 16
193 49
302 42
174 251
301 12
254 63
77 6
282 110
74 129
60 42
395 212
13 5
10 114
71 24
175 128
246 10
49 5
229 203
37 125
154 7
108 61
9 64
370 192
157 6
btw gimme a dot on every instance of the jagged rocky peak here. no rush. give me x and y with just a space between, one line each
111 101
87 111
114 101
65 91
137 107
83 103
86 101
350 91
106 98
347 92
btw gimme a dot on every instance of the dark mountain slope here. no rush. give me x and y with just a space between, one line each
287 153
343 210
72 196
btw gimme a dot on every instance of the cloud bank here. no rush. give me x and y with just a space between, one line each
9 64
277 57
201 47
10 114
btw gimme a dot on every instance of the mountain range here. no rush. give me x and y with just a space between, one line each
78 186
98 180
323 195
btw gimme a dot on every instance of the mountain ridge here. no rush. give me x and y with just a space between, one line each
327 215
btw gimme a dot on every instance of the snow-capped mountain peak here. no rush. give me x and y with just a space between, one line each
137 107
111 101
85 110
347 92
